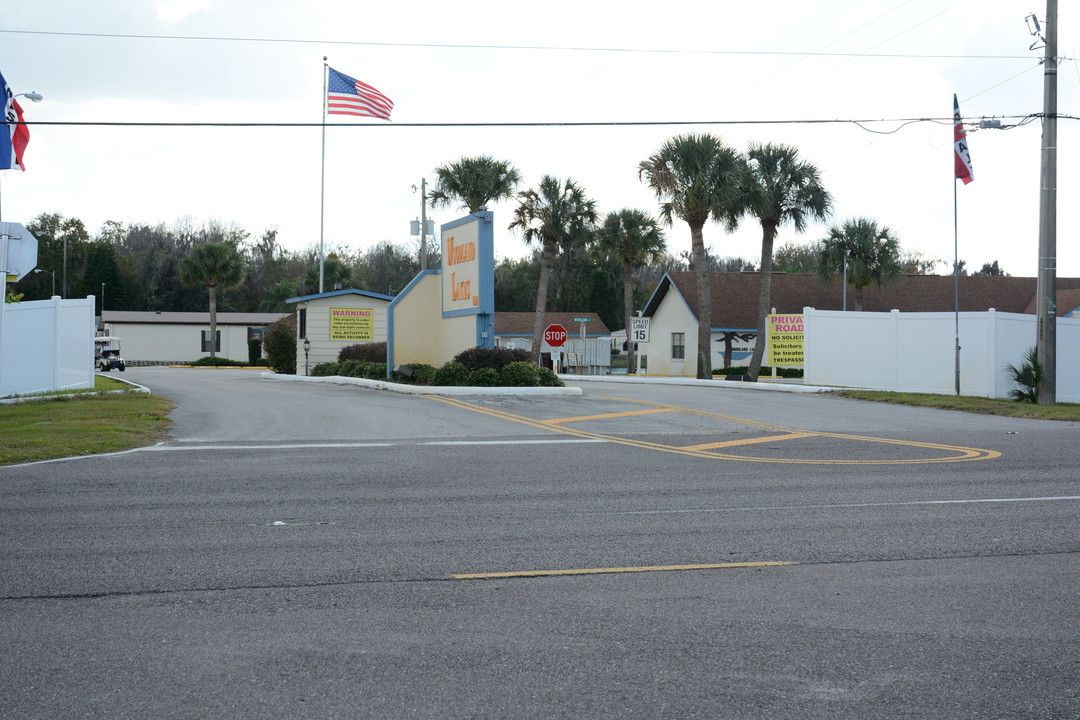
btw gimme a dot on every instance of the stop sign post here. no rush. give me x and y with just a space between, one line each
555 335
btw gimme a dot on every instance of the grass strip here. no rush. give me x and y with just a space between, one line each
964 403
82 424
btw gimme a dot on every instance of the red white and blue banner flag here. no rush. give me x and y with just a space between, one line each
14 141
348 96
961 155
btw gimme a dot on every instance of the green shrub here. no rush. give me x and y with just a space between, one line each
423 374
452 373
1026 378
216 362
496 358
254 351
548 378
520 374
280 344
325 369
484 377
371 352
766 371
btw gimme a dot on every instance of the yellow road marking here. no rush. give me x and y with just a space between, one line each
963 454
751 441
608 416
601 571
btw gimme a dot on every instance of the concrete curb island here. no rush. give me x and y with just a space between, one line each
548 391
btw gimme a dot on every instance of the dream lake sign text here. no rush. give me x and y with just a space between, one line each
785 340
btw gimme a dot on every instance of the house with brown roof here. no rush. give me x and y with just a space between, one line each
672 349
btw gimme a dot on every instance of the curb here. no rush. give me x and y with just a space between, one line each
425 389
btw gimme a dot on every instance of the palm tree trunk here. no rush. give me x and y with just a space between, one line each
628 311
701 267
858 298
768 236
213 319
541 299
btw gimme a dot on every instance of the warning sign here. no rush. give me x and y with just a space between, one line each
352 324
785 340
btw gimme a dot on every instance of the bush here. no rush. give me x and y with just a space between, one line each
254 351
495 358
520 374
484 377
325 369
1027 378
548 378
423 374
766 371
371 352
280 344
452 373
216 362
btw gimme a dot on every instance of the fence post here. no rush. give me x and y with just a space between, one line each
992 353
895 314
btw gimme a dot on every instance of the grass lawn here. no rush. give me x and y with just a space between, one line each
981 405
81 423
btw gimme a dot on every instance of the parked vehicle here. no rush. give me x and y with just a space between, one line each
107 354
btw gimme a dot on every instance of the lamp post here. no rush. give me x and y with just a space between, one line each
307 349
53 273
33 97
103 299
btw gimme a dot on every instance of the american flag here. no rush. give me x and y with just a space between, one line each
961 155
349 96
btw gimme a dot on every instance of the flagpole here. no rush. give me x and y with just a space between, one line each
956 281
322 190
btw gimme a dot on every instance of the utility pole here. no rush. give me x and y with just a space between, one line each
423 224
1046 299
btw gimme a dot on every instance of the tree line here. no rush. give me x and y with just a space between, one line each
579 261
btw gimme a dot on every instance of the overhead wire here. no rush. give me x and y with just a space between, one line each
464 46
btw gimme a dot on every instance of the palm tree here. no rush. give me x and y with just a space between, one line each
697 177
631 237
474 182
555 215
872 254
214 264
783 188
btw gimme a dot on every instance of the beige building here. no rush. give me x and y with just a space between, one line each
333 320
163 338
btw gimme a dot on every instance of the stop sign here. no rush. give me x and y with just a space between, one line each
555 335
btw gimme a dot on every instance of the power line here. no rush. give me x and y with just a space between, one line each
549 48
903 122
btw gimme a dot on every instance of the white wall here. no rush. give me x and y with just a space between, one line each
47 345
916 352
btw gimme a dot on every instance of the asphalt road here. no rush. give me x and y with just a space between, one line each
325 551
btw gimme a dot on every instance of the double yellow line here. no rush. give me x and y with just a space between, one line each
708 450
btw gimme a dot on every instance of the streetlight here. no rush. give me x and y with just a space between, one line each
33 97
307 348
103 299
39 270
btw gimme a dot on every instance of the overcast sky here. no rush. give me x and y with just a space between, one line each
743 65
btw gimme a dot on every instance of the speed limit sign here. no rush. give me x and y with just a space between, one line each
639 329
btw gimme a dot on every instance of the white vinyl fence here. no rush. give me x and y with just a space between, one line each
47 345
916 352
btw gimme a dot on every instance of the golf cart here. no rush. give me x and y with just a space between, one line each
107 353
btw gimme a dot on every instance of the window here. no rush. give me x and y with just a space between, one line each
302 324
678 346
206 341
